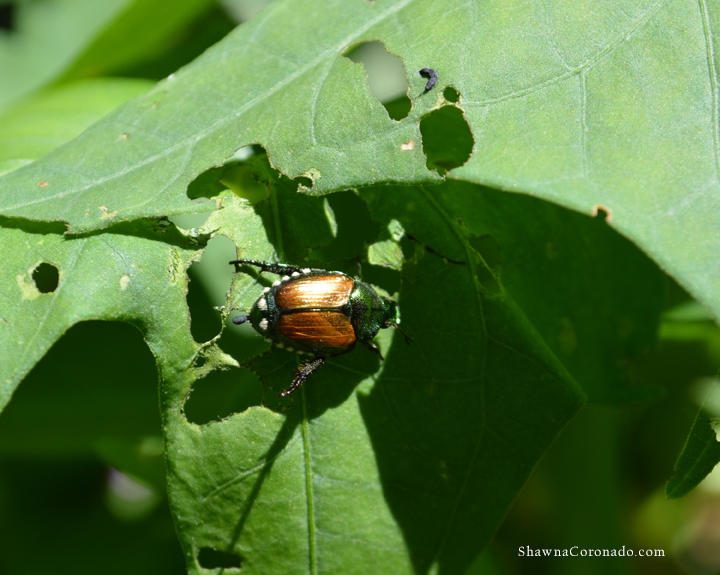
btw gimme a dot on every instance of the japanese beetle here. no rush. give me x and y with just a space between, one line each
317 312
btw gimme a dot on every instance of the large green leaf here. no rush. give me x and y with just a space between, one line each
417 454
396 470
580 104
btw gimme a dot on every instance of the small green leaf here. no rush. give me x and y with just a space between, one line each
150 24
700 454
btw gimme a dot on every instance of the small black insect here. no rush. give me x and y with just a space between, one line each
432 77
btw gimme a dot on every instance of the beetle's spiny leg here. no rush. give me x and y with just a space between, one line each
305 371
278 269
262 265
372 347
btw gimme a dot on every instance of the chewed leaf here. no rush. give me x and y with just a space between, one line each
415 448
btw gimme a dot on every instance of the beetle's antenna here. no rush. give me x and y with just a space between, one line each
408 339
238 319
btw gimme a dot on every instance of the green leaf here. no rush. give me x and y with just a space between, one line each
409 465
151 24
701 452
420 434
594 297
293 222
314 105
108 276
84 37
416 454
39 124
45 39
587 114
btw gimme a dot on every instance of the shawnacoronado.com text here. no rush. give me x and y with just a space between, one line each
527 551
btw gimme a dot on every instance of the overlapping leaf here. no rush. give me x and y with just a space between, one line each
581 105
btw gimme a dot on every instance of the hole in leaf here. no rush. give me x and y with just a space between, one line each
386 278
306 183
60 410
243 180
488 280
603 212
242 10
353 228
398 108
207 184
7 16
209 282
46 277
238 173
447 139
451 94
221 393
386 77
210 558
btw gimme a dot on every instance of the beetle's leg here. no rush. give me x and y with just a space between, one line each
279 269
372 347
408 339
305 371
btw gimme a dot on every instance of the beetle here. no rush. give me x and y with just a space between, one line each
317 312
